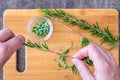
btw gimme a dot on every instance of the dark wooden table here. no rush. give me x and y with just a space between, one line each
31 4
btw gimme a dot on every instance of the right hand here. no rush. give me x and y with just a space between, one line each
105 66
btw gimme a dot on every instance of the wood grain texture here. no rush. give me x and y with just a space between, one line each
39 64
23 4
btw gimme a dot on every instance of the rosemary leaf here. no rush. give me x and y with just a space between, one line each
66 51
96 30
84 42
65 66
30 44
74 69
57 63
88 61
63 60
45 45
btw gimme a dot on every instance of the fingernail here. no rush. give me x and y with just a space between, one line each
21 38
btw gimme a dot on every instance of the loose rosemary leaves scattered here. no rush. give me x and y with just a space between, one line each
41 28
95 30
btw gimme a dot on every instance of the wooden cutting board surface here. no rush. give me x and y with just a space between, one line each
40 65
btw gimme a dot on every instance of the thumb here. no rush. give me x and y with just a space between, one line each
83 69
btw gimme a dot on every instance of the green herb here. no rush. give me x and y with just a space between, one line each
57 63
84 42
74 69
66 51
62 63
105 34
44 47
36 45
88 61
63 58
41 28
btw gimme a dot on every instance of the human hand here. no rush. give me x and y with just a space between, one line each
8 44
105 66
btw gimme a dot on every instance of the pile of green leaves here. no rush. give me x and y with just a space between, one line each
95 30
41 28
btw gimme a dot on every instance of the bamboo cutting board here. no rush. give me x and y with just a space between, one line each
40 65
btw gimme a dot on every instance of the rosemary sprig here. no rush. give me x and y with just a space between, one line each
43 47
61 56
84 41
105 34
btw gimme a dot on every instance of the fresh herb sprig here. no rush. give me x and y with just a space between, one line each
62 63
95 30
43 47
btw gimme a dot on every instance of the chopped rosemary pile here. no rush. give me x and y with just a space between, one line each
95 30
41 28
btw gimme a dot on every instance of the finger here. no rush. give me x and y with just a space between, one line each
5 35
106 54
83 69
106 57
92 52
7 48
14 43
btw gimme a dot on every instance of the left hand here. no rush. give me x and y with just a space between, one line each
9 43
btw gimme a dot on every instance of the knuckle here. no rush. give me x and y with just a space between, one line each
91 46
4 48
20 39
9 31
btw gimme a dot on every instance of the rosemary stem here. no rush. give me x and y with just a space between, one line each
60 54
71 29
